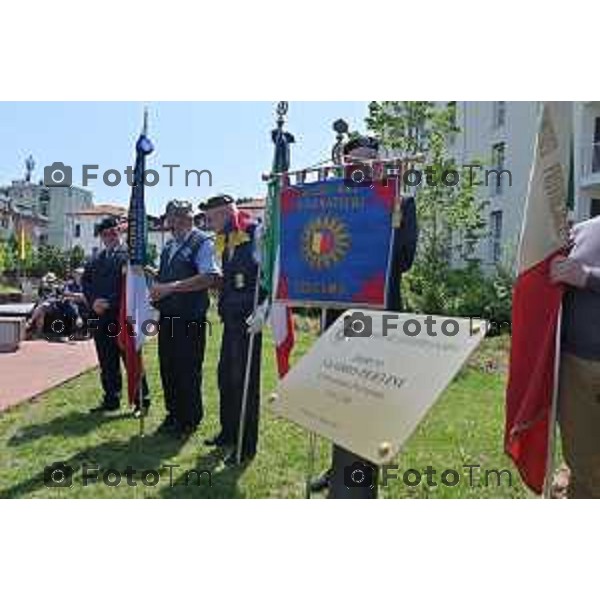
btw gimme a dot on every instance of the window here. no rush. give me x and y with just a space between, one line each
594 207
77 233
596 147
496 236
44 202
43 239
499 114
498 154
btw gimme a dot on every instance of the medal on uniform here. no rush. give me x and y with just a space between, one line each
239 281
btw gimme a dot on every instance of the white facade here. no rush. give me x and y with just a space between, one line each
62 202
504 132
587 160
500 136
52 203
81 229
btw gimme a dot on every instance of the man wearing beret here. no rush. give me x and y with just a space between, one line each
404 244
101 283
187 270
236 233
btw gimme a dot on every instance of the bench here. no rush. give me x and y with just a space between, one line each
12 332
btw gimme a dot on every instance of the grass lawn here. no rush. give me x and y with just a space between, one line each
8 289
465 427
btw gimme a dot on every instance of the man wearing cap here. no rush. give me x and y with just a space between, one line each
404 244
187 270
236 233
101 283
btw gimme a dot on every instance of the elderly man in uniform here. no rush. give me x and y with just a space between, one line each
101 283
187 270
236 244
404 244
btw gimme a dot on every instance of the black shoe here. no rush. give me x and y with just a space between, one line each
321 483
219 441
231 458
169 425
104 409
183 432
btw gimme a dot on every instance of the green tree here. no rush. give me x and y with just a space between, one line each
51 258
12 254
76 257
450 216
7 258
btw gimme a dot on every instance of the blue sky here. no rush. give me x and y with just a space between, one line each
231 139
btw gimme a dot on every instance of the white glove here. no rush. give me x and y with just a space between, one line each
256 321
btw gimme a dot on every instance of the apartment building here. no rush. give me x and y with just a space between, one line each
501 134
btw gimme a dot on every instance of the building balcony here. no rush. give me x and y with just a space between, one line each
590 166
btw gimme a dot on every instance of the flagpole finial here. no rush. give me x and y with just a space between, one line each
341 129
145 126
282 140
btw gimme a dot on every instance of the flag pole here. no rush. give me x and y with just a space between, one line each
281 111
551 452
142 374
312 436
242 421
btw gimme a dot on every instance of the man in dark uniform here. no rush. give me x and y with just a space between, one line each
101 283
187 270
236 241
404 244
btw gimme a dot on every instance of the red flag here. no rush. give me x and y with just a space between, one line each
127 342
536 301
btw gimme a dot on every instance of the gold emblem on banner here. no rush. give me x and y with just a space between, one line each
325 242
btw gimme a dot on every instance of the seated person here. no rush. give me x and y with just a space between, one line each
73 294
47 292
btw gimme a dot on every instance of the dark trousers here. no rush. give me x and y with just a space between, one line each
343 462
109 358
232 369
181 345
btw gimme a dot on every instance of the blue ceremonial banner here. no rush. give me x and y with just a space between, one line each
137 221
335 243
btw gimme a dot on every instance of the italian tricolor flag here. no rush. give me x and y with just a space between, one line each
532 382
281 318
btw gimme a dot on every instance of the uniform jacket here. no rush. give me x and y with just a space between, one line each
189 305
102 278
240 270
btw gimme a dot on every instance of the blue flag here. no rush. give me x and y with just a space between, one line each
138 224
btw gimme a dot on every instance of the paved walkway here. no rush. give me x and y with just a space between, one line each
39 366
